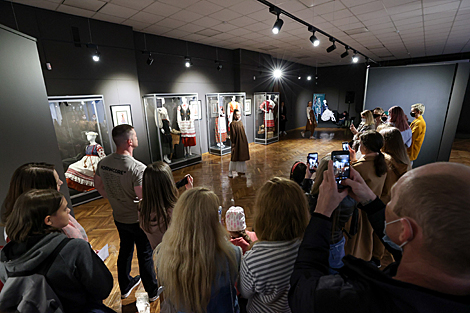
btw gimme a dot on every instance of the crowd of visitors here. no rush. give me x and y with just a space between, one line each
392 239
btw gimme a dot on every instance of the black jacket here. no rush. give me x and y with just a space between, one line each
359 287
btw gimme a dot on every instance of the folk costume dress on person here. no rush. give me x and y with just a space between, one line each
186 125
310 118
80 174
240 151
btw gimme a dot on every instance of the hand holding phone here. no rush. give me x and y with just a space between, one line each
341 166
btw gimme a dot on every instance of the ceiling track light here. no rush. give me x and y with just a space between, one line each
187 62
96 55
277 73
355 57
278 24
150 59
309 77
332 47
345 53
219 66
313 39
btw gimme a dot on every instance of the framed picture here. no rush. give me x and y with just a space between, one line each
195 108
214 107
318 104
248 107
121 114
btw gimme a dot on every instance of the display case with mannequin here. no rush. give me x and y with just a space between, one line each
219 112
266 117
81 129
173 128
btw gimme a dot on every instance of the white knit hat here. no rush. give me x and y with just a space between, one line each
235 219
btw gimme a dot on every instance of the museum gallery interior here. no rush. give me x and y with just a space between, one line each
176 71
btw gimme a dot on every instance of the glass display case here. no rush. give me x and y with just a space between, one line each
219 110
173 128
266 111
83 138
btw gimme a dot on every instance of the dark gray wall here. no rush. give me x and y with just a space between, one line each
463 128
27 131
168 73
429 84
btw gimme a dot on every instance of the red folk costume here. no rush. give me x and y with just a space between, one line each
267 107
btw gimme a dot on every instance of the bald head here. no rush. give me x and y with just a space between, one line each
436 196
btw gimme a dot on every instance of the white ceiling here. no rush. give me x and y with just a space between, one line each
380 29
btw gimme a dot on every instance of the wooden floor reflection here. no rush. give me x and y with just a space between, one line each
266 162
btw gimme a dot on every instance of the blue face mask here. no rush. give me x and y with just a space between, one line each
389 241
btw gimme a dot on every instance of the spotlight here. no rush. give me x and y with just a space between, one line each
96 56
309 77
345 53
299 77
277 25
355 58
332 47
187 62
219 67
277 73
314 40
150 59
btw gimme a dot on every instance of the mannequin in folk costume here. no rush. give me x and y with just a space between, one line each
163 122
327 114
220 128
80 174
232 106
186 126
267 107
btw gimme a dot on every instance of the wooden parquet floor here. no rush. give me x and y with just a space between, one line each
266 162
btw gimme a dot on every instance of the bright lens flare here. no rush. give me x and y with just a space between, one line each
277 73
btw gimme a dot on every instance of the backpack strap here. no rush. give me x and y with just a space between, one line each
44 267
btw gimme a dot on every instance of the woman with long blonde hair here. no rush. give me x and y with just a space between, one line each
367 123
195 262
280 222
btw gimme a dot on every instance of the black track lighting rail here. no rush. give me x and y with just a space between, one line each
278 11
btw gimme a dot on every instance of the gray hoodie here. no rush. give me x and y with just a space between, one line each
78 276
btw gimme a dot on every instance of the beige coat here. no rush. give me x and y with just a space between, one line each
362 244
394 172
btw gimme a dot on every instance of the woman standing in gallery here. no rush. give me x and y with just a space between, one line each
311 121
159 195
195 262
367 123
398 119
240 150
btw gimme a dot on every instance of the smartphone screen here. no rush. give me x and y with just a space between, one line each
345 146
340 165
312 161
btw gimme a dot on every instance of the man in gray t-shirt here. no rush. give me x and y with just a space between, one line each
119 179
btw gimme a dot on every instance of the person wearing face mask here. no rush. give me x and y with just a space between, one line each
378 112
367 123
418 129
424 226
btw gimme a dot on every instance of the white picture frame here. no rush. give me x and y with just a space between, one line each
121 114
247 107
195 109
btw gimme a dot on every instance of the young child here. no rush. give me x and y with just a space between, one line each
236 226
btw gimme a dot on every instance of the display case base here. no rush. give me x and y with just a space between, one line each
220 151
84 197
193 159
267 141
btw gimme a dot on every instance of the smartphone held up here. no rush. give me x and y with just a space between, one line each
312 161
341 165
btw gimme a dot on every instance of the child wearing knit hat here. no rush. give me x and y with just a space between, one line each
236 225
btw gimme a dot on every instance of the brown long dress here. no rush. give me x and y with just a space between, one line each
240 151
311 127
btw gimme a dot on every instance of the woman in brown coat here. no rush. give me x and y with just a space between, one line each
373 169
240 151
311 121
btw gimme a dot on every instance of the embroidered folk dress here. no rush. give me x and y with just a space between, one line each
83 171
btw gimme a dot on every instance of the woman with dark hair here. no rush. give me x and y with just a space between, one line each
38 176
159 196
373 169
398 119
77 275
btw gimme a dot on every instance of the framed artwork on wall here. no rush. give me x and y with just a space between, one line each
195 108
248 107
121 114
214 107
